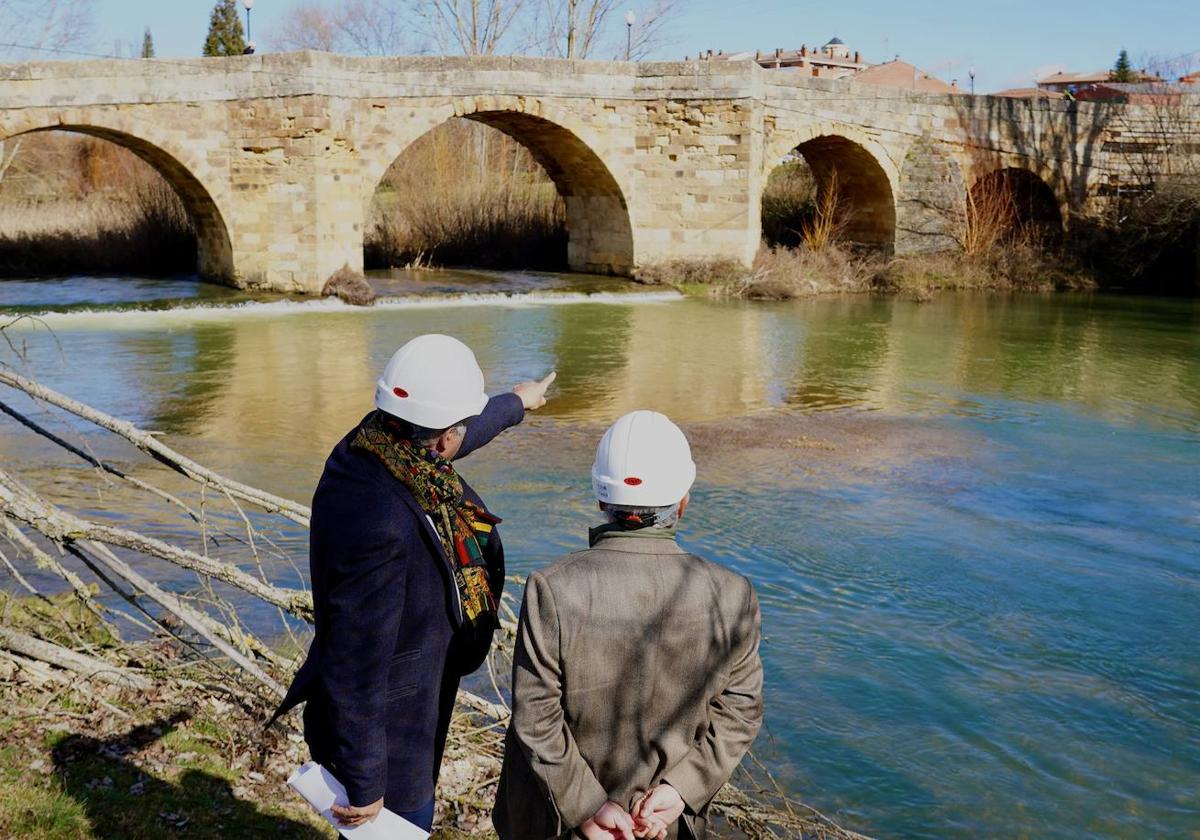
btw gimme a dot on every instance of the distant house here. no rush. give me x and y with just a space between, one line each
1138 93
833 60
1062 82
836 60
1029 93
901 74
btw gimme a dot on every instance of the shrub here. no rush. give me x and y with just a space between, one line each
349 287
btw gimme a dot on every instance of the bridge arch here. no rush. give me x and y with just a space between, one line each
214 260
599 224
1020 198
867 179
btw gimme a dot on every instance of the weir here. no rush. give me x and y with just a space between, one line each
277 157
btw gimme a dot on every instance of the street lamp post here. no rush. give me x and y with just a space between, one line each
249 4
630 19
971 73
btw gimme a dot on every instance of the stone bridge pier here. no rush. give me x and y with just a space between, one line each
277 157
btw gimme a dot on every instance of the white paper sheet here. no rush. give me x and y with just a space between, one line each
323 791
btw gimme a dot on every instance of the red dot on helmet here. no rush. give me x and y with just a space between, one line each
633 481
400 392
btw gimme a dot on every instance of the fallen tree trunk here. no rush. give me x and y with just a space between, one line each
61 527
180 610
162 453
57 655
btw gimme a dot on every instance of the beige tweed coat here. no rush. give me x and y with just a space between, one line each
635 663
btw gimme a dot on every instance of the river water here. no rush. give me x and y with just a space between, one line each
974 523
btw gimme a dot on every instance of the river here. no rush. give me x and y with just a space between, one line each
974 523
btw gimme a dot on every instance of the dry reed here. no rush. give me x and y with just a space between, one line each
788 202
988 219
824 228
467 194
76 204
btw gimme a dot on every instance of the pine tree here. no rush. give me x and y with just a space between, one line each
225 35
147 44
1122 71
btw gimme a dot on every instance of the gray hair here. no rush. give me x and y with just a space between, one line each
666 516
426 437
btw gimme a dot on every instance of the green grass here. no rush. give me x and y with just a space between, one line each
80 787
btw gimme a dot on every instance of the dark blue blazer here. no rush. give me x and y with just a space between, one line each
390 646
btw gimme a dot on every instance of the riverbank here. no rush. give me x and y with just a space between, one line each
791 273
84 759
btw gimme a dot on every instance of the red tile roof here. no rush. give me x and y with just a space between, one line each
1029 93
901 74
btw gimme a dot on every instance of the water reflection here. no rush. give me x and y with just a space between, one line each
283 381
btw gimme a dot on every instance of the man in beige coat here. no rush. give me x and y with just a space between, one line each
637 685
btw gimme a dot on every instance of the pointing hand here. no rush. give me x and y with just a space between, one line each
533 394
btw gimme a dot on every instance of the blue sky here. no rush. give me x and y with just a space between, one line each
1008 43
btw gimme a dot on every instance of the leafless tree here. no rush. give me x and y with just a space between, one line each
588 28
310 26
468 27
39 26
366 27
376 27
651 28
1155 209
571 28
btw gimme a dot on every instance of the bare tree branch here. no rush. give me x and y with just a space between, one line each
469 27
365 27
88 666
45 24
159 451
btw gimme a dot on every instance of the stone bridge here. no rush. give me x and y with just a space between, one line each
277 157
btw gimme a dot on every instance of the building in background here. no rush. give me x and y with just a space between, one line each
1063 82
1029 93
901 74
834 60
1139 93
837 60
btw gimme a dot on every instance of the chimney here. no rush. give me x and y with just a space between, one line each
710 53
803 49
778 51
758 55
857 57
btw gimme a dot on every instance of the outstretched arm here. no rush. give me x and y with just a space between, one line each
503 411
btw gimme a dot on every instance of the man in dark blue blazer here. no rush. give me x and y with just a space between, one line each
407 568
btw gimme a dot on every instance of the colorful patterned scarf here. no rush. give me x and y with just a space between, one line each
463 526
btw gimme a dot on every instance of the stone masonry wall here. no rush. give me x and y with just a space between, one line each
277 156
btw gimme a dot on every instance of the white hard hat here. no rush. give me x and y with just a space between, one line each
643 460
432 381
